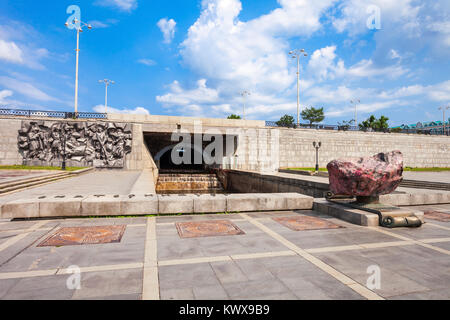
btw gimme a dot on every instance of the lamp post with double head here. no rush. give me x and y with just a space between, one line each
296 54
356 103
443 108
107 83
78 25
244 95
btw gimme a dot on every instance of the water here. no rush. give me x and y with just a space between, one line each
189 183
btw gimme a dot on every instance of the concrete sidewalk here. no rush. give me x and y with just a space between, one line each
265 260
97 182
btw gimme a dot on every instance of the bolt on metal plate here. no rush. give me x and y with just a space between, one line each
303 223
84 235
213 228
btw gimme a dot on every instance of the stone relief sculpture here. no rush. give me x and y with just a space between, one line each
97 144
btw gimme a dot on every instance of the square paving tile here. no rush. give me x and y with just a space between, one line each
302 223
84 235
438 215
213 228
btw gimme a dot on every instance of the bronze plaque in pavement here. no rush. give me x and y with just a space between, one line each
84 235
438 216
213 228
301 223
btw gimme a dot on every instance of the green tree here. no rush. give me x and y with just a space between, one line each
375 124
286 121
234 117
313 115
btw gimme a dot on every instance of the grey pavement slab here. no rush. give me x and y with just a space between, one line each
424 232
407 272
109 284
394 279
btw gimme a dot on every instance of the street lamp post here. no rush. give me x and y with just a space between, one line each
79 26
317 145
356 102
107 82
296 54
443 108
245 94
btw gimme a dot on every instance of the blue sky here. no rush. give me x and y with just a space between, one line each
192 57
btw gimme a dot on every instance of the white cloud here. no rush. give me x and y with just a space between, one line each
26 89
167 27
323 66
10 52
436 92
103 24
364 108
5 94
139 110
406 25
123 5
17 45
183 97
147 62
250 54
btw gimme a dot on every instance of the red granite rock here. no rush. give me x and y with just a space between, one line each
364 177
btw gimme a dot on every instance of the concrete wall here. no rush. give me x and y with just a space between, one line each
262 149
9 151
296 147
251 182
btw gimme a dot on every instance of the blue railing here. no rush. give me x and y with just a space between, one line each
52 114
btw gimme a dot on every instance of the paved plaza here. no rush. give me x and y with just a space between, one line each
266 255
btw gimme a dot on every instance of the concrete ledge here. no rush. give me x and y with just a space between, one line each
242 202
355 216
21 209
104 205
417 198
115 205
297 201
176 204
206 203
60 207
140 205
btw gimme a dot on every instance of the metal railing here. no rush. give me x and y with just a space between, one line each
433 131
52 114
313 126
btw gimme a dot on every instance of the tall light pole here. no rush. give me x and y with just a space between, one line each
107 83
296 54
78 25
443 108
245 94
356 103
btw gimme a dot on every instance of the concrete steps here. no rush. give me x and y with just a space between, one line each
425 185
18 185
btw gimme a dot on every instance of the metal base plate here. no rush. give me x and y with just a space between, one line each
213 228
303 223
84 235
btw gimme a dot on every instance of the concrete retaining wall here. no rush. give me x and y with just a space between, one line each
9 151
264 149
296 147
241 181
